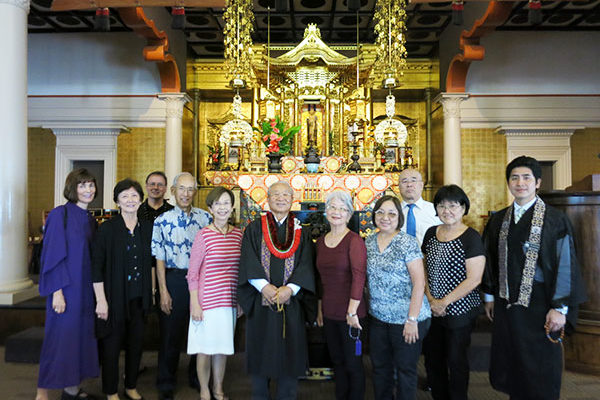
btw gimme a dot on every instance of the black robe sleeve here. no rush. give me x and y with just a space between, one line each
560 266
304 276
250 267
489 282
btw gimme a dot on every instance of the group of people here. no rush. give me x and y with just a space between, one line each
417 283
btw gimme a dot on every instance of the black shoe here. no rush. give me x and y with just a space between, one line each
166 395
81 395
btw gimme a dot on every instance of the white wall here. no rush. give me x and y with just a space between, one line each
89 64
537 63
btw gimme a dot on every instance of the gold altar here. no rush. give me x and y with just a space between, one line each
316 87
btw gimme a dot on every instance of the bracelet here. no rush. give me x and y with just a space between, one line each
351 315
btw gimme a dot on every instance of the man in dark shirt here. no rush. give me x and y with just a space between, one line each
155 204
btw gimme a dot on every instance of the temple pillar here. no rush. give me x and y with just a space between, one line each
173 136
15 285
452 140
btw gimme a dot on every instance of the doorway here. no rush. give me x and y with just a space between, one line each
96 168
547 176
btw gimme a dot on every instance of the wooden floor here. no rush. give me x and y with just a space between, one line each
18 382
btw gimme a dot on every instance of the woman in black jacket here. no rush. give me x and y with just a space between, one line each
123 285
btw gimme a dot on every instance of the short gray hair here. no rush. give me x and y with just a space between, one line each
179 175
342 196
282 183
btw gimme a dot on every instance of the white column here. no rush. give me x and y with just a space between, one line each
173 143
452 141
15 285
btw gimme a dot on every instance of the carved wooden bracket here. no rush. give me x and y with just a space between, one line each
156 50
495 15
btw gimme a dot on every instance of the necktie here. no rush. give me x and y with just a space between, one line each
411 222
519 213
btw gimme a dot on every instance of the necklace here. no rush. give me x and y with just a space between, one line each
332 240
219 229
447 234
293 234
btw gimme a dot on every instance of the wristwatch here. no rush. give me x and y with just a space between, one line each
351 315
412 319
564 310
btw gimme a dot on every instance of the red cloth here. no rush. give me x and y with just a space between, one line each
342 272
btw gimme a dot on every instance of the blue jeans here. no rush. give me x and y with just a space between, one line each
389 351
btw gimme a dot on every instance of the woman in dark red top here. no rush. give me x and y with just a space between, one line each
342 263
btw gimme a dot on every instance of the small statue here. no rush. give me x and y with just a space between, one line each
311 125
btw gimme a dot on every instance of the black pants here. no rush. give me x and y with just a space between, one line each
131 333
446 359
173 331
348 367
388 351
287 388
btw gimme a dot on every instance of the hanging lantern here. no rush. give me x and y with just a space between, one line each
237 38
178 21
457 12
390 27
102 20
534 15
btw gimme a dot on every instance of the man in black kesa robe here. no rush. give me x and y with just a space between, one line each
276 291
533 274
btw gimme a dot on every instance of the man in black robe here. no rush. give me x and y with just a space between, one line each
276 291
533 275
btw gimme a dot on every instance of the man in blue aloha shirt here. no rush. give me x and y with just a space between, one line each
172 239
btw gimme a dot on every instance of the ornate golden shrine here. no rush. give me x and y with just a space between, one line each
315 86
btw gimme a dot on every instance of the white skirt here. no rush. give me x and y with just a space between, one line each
214 334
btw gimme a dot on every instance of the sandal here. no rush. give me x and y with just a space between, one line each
220 396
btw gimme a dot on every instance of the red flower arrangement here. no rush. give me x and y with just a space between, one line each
215 154
276 137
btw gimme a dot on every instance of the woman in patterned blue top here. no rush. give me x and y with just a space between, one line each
455 263
400 314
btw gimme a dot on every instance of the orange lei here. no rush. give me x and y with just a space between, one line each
269 230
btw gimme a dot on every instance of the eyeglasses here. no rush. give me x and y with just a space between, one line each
186 189
156 184
406 181
286 195
390 215
452 207
342 210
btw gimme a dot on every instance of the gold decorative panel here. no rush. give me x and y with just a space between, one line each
484 161
140 152
41 144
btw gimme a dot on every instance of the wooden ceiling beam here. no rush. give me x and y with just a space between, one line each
65 5
469 42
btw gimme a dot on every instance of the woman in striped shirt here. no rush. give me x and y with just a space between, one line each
212 280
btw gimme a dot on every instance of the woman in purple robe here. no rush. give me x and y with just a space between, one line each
69 352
